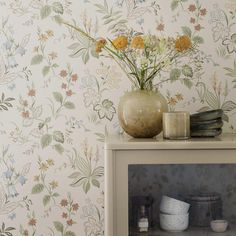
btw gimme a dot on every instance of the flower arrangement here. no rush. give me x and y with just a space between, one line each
141 57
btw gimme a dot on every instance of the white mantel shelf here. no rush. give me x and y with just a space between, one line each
124 142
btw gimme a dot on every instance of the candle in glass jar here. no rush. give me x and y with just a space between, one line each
176 125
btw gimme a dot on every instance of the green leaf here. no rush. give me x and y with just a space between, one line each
46 199
86 186
58 226
58 97
45 11
59 148
37 59
57 8
198 40
187 71
69 105
174 4
70 233
85 56
186 30
175 74
58 136
58 19
46 140
56 195
95 183
45 70
188 83
38 188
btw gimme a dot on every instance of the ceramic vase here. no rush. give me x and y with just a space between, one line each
140 113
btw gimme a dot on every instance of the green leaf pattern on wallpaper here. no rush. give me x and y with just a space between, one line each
57 99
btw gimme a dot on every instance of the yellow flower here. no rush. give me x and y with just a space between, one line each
36 178
100 44
137 42
43 167
50 162
120 43
183 43
54 184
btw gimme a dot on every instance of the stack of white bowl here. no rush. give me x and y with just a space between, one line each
174 216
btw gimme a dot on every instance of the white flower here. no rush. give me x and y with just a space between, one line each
220 31
91 97
92 227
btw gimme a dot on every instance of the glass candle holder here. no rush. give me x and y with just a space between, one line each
176 125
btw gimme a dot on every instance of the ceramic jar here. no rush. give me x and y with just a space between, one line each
140 113
205 208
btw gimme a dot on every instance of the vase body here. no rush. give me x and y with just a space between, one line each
140 113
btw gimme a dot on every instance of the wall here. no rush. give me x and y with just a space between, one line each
54 109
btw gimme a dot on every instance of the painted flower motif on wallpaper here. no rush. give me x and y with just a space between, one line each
231 72
69 209
94 219
86 173
105 110
223 31
216 97
230 43
45 186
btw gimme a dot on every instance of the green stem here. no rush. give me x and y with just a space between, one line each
79 30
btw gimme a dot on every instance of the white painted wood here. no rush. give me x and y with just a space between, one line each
118 142
122 152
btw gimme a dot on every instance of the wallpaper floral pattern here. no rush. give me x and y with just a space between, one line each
55 109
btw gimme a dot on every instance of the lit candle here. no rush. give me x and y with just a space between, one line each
176 125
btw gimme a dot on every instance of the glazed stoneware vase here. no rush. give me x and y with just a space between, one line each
140 113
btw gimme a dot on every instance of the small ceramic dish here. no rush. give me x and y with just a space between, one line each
219 226
173 206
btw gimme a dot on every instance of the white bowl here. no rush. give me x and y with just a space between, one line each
219 226
174 223
173 206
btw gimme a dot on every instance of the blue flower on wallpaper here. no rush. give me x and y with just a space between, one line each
140 21
21 50
11 86
7 45
8 174
12 216
11 62
12 191
22 180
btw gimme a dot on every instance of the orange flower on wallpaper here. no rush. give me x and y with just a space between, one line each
120 43
100 44
137 43
183 43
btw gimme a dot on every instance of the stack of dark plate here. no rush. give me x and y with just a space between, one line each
206 124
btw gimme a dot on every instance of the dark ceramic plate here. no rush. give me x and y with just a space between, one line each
206 133
203 125
206 115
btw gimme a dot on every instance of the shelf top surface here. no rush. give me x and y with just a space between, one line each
125 142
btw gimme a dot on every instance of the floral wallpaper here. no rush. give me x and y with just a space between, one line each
57 101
